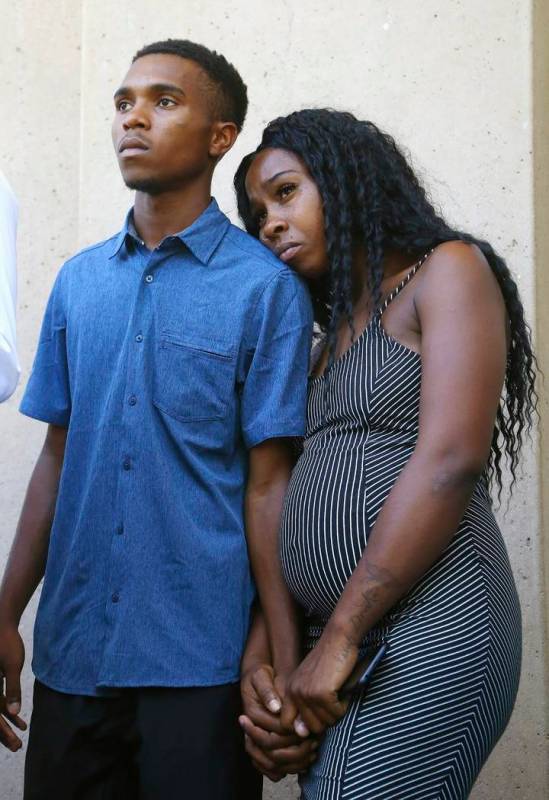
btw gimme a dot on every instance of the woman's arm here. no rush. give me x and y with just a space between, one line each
463 350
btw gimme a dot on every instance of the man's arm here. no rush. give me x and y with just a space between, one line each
24 571
269 472
273 751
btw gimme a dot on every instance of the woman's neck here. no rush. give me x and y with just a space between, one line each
395 262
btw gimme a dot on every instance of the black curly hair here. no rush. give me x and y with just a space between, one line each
230 92
371 196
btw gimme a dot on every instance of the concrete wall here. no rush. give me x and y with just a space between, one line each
456 81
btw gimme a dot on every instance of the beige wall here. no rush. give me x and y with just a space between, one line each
541 208
452 80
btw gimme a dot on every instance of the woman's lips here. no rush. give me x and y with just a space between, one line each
289 252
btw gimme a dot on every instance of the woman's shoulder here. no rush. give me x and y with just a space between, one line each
459 269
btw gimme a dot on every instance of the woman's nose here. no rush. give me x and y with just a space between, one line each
274 226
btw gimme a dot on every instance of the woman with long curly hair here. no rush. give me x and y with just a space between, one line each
423 385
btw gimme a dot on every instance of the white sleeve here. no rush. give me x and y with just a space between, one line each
9 363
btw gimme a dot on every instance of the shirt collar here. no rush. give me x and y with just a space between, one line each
202 237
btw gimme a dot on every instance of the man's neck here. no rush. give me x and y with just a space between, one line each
160 215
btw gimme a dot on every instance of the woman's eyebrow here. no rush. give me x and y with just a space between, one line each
278 174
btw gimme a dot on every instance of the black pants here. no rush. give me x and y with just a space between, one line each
143 744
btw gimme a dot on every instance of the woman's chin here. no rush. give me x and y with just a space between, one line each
310 272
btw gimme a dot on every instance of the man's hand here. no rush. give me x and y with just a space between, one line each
12 657
274 751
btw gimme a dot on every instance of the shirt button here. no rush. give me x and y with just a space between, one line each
132 400
120 530
115 597
127 464
149 278
139 337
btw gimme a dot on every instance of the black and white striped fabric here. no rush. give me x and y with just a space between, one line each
444 692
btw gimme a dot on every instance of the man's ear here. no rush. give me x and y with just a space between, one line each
223 137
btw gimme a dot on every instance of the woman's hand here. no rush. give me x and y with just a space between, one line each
274 751
311 702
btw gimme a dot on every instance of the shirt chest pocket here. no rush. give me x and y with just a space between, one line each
193 381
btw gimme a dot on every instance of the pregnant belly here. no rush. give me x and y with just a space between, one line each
324 526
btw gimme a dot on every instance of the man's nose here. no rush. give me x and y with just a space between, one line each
135 118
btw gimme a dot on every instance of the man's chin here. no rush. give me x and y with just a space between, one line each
145 185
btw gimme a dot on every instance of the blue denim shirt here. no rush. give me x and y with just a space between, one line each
166 367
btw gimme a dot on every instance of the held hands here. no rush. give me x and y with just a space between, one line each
284 717
275 751
312 702
12 657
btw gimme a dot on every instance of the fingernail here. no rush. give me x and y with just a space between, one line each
241 721
274 705
301 729
14 708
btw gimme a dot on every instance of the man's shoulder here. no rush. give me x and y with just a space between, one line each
252 253
81 270
99 249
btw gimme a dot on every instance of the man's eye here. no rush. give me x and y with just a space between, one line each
286 189
166 102
122 105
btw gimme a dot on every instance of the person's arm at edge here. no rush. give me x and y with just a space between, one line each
24 571
9 363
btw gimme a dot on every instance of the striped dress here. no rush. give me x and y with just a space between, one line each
443 694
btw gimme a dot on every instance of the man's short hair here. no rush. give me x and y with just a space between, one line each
229 90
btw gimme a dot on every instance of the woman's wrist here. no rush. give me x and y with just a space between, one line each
343 632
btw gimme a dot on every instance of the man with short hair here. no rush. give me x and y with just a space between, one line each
171 369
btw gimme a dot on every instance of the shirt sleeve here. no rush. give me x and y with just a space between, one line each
9 363
274 395
47 396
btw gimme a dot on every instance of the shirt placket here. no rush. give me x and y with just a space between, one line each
131 456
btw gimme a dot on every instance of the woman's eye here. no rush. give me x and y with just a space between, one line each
286 189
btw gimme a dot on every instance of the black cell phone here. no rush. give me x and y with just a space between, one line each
363 671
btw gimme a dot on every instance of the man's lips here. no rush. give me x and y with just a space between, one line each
287 251
132 143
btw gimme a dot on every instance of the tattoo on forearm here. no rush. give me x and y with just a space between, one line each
375 583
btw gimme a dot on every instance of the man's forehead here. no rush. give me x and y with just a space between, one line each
159 68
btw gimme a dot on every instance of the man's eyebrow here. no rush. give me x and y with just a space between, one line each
156 88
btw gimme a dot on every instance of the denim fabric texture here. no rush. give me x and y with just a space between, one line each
166 367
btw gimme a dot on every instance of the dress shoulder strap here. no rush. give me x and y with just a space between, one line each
405 281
